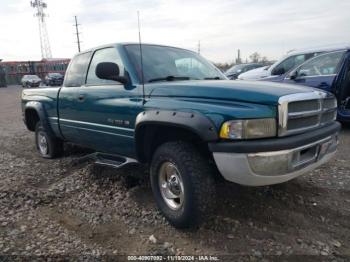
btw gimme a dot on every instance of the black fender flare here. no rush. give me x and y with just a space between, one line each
39 108
194 122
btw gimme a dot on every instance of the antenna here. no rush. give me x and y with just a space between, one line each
142 75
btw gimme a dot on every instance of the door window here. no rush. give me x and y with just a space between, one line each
326 64
76 73
291 62
288 64
104 55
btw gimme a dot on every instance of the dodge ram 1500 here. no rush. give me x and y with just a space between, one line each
173 111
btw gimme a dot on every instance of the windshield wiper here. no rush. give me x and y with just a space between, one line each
169 78
212 78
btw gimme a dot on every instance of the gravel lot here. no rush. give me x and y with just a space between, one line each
57 207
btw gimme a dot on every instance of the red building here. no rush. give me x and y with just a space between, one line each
15 70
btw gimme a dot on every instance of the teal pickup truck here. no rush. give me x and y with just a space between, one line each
172 110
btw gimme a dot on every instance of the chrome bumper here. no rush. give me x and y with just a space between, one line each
267 168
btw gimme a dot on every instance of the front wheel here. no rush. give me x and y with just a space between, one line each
47 145
182 183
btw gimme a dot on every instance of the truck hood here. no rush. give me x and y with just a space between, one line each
245 91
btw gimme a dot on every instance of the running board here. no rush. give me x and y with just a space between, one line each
103 159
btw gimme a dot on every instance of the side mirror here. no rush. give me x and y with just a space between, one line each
109 71
294 75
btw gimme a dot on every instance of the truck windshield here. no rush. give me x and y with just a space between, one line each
162 63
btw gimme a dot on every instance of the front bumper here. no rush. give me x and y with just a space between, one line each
34 84
55 82
275 166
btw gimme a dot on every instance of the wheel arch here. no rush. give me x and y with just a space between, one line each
34 112
155 127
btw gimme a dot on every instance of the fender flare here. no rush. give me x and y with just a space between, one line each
192 121
39 108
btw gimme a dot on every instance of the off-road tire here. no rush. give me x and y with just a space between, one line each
199 185
54 144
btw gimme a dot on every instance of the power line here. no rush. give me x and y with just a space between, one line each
77 32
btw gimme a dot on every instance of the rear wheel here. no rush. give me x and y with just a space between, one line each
47 145
182 183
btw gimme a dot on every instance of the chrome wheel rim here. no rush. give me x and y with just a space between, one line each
171 185
42 143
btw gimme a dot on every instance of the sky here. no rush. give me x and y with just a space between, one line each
270 27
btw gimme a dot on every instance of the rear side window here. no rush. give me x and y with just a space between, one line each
104 55
76 73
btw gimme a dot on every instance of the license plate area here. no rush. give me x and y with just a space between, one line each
305 156
313 153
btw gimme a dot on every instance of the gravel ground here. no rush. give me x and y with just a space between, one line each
57 207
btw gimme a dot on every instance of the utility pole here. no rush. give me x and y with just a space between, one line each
199 47
238 60
77 32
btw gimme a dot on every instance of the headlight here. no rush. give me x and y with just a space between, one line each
249 128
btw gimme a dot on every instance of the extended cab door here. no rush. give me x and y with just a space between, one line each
318 72
69 97
106 110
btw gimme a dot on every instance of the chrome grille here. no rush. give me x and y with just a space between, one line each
300 106
304 111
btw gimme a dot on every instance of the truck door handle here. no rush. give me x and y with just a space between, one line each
81 97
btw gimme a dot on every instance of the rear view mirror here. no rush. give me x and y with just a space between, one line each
110 71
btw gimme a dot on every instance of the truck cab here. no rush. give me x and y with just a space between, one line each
173 111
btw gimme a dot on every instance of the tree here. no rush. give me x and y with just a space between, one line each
255 57
264 60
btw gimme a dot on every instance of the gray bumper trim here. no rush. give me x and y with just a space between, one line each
267 168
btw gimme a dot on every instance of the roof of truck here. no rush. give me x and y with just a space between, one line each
129 43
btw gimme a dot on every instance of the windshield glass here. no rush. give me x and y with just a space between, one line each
235 68
31 77
55 74
170 64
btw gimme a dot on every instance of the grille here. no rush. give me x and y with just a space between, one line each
305 111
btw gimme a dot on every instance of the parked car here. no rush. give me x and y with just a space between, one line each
329 72
179 115
54 79
233 72
290 61
2 77
30 81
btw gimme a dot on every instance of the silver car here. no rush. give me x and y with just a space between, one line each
30 81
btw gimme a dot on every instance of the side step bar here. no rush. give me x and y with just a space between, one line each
114 161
